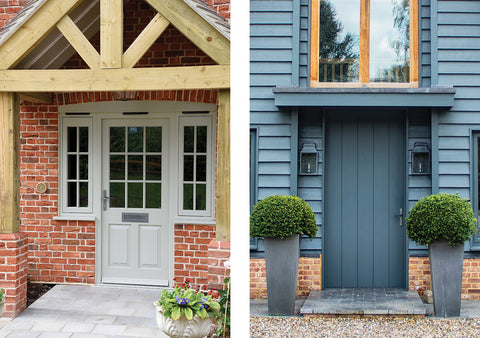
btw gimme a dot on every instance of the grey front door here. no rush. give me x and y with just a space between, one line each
364 238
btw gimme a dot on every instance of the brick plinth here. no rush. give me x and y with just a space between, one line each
309 276
13 272
191 253
218 254
420 279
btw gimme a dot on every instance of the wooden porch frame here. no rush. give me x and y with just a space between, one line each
110 70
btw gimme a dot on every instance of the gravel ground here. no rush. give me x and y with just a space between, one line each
300 327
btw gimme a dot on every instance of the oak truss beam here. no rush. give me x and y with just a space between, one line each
144 41
111 33
167 78
33 30
79 42
195 28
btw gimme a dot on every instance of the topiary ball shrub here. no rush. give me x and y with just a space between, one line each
282 216
441 216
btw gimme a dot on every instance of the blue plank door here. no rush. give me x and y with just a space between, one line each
364 239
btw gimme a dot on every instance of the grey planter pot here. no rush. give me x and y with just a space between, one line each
446 266
281 260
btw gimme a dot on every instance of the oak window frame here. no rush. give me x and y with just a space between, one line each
364 54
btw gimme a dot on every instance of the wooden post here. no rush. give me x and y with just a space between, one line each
111 33
9 163
223 168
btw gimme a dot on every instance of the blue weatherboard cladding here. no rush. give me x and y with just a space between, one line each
449 56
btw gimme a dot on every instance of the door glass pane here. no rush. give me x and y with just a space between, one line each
135 195
188 139
154 167
72 167
72 139
72 194
339 45
135 167
117 139
117 167
201 139
201 197
153 198
83 139
135 139
83 194
117 195
188 196
389 41
201 168
83 167
154 139
188 168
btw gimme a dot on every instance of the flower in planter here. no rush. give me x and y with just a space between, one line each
188 302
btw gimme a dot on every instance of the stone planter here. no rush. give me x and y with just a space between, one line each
281 260
446 266
182 328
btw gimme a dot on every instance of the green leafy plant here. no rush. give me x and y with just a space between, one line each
282 216
441 216
223 319
1 294
188 302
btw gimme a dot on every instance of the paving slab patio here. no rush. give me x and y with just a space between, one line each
88 311
370 302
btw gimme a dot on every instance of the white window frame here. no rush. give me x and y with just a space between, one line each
63 153
210 173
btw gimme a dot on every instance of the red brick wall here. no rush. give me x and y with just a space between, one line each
218 255
419 279
9 9
309 276
13 272
191 252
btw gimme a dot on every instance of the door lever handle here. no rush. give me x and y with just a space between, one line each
401 216
106 198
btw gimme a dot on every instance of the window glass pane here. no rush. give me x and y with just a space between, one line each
201 197
188 168
188 196
72 139
201 168
72 167
202 139
153 198
154 167
117 139
135 139
72 194
83 194
83 167
339 44
389 41
117 167
154 139
117 195
83 131
188 139
135 167
135 195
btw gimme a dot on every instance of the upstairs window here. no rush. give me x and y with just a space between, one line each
357 43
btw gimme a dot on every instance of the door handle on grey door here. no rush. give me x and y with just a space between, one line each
401 216
105 199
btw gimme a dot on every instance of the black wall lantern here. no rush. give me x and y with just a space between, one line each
309 159
420 158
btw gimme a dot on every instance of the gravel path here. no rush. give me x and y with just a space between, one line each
299 327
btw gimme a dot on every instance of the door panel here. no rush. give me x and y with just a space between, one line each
365 174
135 234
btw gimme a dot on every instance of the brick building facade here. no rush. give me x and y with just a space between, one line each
53 249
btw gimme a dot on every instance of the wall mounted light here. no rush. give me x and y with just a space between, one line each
421 159
309 159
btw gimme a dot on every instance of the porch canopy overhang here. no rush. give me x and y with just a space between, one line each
433 97
46 33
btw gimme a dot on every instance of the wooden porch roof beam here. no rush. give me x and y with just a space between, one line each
169 78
